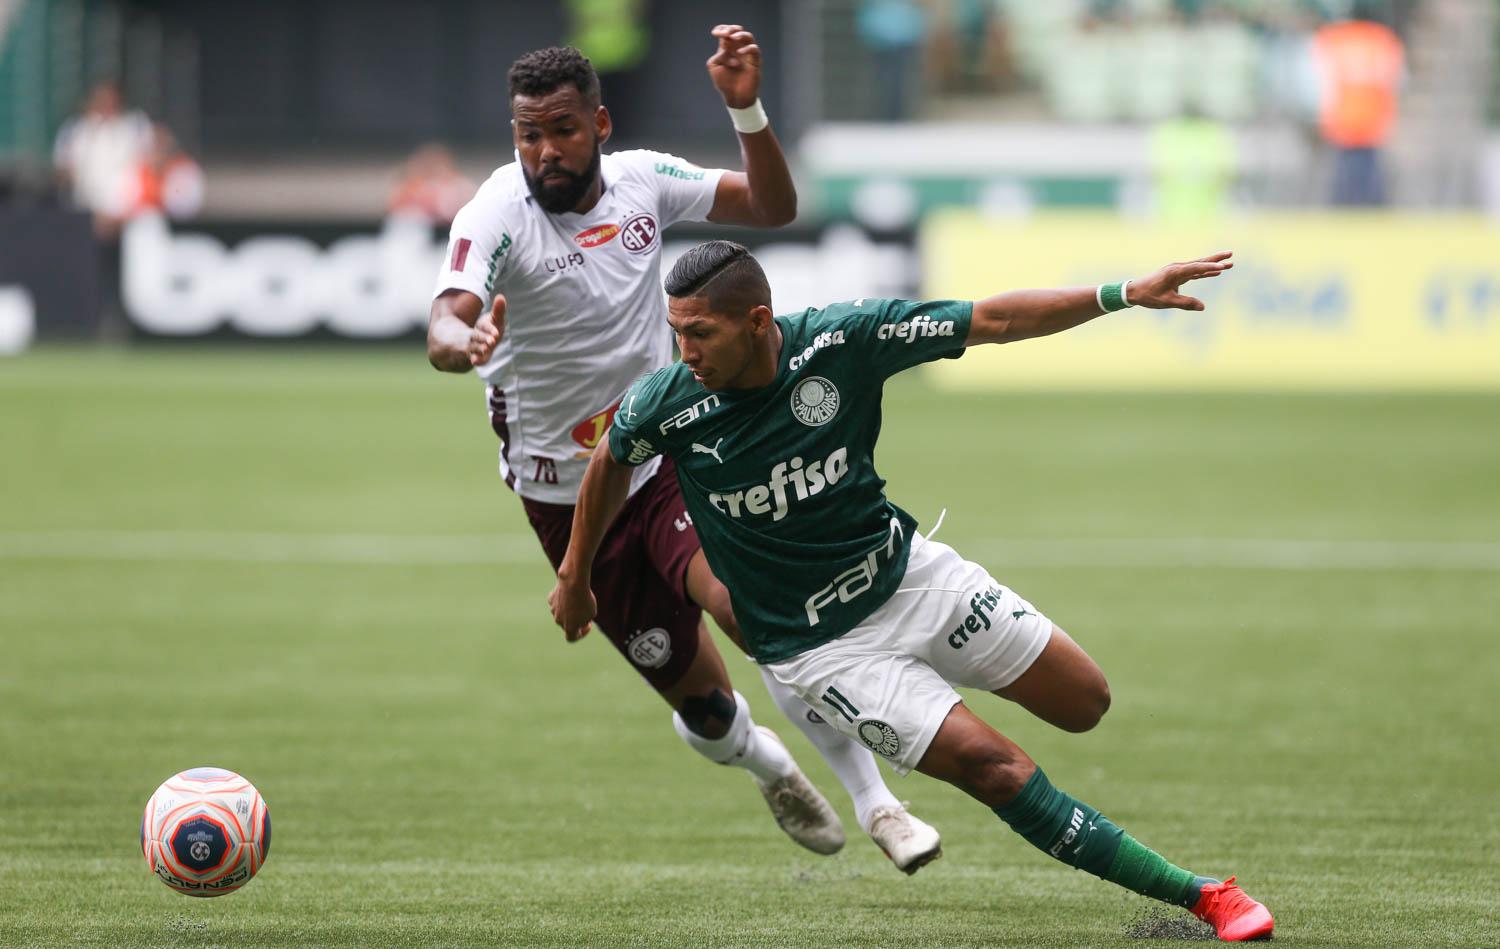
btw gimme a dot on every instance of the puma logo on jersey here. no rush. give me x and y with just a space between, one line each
700 449
919 325
772 498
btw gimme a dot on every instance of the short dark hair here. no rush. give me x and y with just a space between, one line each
723 271
544 71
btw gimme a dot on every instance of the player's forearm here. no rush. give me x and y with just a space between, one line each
773 195
605 489
1023 314
448 343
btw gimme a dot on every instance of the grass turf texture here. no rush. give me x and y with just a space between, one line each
443 770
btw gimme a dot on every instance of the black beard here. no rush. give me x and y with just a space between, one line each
560 199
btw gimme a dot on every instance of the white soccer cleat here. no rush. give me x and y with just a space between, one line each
801 810
910 842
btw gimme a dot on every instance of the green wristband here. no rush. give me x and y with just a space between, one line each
1111 297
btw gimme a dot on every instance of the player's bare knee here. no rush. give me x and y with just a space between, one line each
1086 707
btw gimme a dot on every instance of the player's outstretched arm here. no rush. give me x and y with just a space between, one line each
763 195
1022 314
458 337
606 487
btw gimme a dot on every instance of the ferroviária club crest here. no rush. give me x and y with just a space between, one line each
815 401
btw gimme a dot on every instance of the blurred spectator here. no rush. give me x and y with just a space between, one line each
97 153
614 32
1360 64
1193 164
968 52
431 186
168 180
893 31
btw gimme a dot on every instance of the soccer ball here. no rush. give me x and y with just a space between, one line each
206 832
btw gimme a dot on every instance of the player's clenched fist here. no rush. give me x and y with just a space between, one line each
485 335
573 608
735 66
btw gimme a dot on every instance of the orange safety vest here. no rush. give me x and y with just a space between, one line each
1360 63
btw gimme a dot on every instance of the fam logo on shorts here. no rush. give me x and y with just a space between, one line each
815 401
638 233
880 737
650 648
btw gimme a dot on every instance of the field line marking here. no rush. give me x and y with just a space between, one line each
517 548
273 547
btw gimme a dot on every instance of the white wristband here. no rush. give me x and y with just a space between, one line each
749 120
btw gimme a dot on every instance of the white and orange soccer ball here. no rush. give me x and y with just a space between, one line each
206 832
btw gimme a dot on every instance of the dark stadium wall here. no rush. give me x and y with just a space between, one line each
52 253
336 74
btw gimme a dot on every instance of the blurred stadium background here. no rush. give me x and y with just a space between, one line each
244 524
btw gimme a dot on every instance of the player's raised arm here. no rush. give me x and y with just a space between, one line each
458 337
606 488
763 194
1022 314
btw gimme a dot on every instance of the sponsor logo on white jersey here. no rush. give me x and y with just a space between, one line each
823 340
688 415
921 325
805 481
594 236
815 401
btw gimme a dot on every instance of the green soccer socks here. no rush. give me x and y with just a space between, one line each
1081 837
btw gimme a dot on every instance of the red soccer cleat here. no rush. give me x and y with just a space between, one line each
1232 914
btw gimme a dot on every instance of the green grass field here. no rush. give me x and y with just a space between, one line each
300 565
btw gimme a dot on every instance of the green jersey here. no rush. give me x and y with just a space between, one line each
780 481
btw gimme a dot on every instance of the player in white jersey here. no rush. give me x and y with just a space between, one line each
551 288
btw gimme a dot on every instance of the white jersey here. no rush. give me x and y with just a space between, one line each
586 314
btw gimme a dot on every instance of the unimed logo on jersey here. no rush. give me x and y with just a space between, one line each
595 236
639 233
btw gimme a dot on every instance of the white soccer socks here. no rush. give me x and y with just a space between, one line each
742 746
854 765
800 810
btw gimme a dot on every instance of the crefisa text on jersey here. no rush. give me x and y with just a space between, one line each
771 498
822 341
920 325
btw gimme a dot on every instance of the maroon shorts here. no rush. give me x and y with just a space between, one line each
640 575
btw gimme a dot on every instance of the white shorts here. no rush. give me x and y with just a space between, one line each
888 682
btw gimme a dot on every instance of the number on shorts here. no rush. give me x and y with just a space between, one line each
836 701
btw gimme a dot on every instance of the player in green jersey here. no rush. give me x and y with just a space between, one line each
772 422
